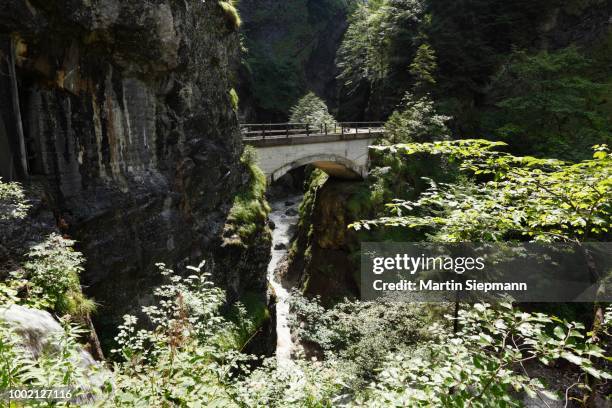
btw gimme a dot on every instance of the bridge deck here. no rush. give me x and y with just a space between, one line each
274 134
340 150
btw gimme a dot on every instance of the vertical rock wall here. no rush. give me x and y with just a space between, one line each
128 124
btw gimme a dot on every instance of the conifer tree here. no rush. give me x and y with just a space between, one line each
312 110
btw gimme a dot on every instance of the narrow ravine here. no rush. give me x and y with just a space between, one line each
284 215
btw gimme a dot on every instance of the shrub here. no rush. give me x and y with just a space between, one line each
189 355
537 199
49 279
13 203
362 334
58 366
485 363
53 272
185 359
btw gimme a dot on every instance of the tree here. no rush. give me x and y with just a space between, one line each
423 67
535 199
418 121
551 106
312 110
373 51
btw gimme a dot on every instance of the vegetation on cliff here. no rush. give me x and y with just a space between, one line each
49 276
250 209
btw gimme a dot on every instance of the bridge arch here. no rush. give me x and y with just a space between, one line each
332 164
343 154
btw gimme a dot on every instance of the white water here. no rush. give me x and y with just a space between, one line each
281 235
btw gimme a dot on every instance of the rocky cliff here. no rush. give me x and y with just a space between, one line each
127 122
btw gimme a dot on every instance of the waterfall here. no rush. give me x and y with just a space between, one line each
284 216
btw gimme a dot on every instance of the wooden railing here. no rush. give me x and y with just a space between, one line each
253 131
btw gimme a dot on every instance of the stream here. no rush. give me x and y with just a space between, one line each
281 236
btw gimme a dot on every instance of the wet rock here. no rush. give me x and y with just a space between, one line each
291 212
289 203
280 245
271 224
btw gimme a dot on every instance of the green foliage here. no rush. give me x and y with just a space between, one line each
300 383
276 64
13 203
248 317
417 121
53 367
550 106
359 56
464 54
250 209
376 354
362 334
471 38
53 271
484 363
275 81
313 183
424 66
537 199
312 110
49 279
231 13
234 99
375 43
186 358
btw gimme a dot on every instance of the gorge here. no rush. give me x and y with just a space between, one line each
185 186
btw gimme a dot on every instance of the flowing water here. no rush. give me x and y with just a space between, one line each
281 215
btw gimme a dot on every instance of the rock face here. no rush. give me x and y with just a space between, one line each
128 124
324 261
332 272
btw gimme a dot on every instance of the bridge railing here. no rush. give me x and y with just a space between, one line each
286 130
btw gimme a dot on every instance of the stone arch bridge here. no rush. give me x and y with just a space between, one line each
340 150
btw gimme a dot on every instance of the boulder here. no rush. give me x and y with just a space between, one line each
41 333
